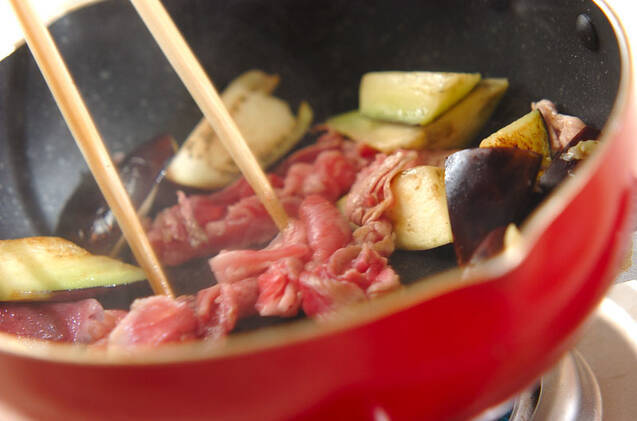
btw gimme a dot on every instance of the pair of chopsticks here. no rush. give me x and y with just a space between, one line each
90 142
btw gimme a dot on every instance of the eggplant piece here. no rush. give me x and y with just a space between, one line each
86 218
453 129
528 132
412 97
461 123
419 213
39 268
497 242
587 133
490 246
381 135
555 174
487 188
564 165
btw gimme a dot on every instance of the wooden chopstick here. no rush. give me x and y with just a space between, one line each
192 74
88 139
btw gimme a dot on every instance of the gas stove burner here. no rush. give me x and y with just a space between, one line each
569 392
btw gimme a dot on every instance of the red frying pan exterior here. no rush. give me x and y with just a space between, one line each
445 358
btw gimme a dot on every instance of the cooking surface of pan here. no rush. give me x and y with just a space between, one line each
319 49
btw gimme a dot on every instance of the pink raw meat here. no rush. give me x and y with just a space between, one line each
371 194
154 321
316 264
234 218
232 266
219 307
327 230
82 321
279 293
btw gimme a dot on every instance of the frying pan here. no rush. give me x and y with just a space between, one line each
445 347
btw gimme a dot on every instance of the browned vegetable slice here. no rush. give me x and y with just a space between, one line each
528 132
487 188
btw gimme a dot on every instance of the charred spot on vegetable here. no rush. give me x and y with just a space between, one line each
487 188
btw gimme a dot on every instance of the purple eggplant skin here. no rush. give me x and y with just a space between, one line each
560 169
490 246
556 173
587 133
86 218
487 188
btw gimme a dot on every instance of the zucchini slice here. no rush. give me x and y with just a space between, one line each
412 97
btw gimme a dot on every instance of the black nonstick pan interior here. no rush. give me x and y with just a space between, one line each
320 50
